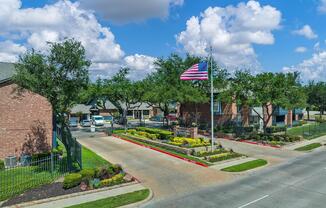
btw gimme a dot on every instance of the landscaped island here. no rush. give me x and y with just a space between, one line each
194 149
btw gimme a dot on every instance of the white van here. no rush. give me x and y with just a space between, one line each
98 120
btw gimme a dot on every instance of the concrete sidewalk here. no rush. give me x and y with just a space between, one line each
321 140
74 199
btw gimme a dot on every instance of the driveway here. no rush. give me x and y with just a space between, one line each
165 175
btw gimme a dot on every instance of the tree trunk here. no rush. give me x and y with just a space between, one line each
125 120
66 140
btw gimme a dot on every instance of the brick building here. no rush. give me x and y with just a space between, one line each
226 113
25 118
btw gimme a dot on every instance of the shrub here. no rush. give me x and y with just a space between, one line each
87 174
162 134
95 183
41 156
188 142
102 173
223 156
117 179
320 120
2 165
208 153
72 180
275 129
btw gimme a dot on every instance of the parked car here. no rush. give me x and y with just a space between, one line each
98 120
73 122
108 119
85 123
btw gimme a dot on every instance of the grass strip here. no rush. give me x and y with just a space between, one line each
309 147
91 160
116 201
166 150
246 166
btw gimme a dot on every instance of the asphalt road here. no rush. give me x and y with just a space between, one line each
298 183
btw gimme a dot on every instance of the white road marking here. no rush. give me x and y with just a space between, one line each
253 201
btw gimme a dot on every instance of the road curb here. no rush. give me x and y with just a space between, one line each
161 151
137 204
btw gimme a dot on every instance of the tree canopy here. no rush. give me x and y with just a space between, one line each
59 76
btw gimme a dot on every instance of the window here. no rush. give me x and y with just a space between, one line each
218 107
129 113
145 112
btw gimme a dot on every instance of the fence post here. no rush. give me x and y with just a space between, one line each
52 163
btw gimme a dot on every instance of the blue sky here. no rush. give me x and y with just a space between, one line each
144 31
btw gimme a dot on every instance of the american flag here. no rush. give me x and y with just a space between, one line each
196 72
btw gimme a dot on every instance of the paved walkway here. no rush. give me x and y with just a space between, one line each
79 199
321 140
165 175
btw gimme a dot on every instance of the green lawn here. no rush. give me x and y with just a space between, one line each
91 160
116 201
18 180
166 150
308 131
246 166
309 147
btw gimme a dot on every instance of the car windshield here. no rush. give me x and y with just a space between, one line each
98 118
86 121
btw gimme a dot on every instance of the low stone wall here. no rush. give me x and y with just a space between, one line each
186 132
163 145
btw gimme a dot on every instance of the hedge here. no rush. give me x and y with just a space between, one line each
275 129
2 165
162 134
72 180
87 173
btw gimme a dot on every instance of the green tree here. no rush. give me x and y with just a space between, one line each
267 90
59 76
123 92
316 93
164 87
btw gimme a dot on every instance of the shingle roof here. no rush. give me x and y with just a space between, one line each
7 70
80 108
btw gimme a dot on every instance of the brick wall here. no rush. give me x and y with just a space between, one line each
19 113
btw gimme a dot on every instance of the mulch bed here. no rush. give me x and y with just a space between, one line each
42 192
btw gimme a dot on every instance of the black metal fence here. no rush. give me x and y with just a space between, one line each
75 147
309 131
31 173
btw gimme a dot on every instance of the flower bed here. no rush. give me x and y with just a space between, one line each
94 178
277 140
188 142
209 153
223 156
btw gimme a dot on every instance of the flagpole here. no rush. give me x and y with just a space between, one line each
212 101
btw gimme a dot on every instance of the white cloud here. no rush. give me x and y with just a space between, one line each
231 31
24 28
306 31
322 6
141 65
300 49
125 11
311 69
9 51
